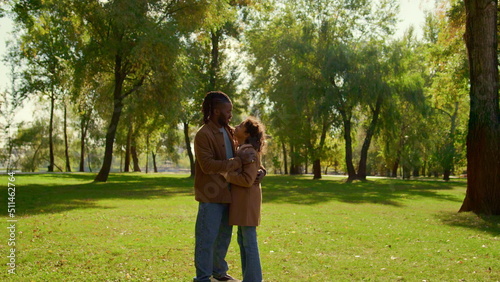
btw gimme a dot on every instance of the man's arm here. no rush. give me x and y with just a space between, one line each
206 157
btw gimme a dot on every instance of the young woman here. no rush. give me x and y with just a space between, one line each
246 194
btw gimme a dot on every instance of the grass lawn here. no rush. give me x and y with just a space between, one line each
140 227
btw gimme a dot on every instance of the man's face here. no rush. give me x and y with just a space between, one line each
225 113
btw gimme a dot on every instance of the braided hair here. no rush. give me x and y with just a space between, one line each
212 100
256 131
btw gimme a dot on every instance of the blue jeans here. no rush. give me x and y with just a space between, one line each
249 250
213 236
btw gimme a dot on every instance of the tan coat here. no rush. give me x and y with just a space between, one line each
247 196
209 185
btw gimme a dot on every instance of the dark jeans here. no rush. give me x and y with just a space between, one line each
213 235
249 250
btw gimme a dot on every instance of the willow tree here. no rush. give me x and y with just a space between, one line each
283 67
483 138
129 42
317 60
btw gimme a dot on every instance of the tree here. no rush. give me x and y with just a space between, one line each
133 40
84 106
118 30
44 48
448 83
31 145
203 65
483 138
7 124
373 84
363 86
318 60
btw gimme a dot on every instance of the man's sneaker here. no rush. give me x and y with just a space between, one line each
225 277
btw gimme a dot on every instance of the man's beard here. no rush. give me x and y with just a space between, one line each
222 121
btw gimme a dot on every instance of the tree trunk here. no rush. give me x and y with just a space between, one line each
83 136
103 174
135 158
284 157
395 166
126 166
294 166
306 166
449 149
66 149
188 148
406 171
154 161
483 138
89 163
214 63
147 153
351 172
369 134
51 133
317 169
319 151
446 174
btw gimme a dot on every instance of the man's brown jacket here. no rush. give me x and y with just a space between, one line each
210 152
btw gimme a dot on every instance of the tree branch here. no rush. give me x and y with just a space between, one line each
135 87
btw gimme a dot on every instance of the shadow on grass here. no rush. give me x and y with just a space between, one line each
302 190
489 224
54 193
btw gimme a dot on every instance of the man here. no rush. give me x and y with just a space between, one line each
214 150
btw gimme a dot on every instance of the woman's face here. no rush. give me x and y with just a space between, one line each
240 132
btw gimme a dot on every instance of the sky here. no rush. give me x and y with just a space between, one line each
411 13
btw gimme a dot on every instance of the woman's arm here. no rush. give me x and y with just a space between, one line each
246 177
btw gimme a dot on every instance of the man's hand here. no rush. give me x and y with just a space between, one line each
260 175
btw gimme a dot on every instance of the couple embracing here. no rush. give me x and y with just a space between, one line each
227 186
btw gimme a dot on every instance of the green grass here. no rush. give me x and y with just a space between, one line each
139 227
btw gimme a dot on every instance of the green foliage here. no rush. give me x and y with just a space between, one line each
323 65
44 47
448 86
311 70
31 143
7 124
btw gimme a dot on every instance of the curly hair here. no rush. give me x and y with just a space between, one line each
257 133
211 101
